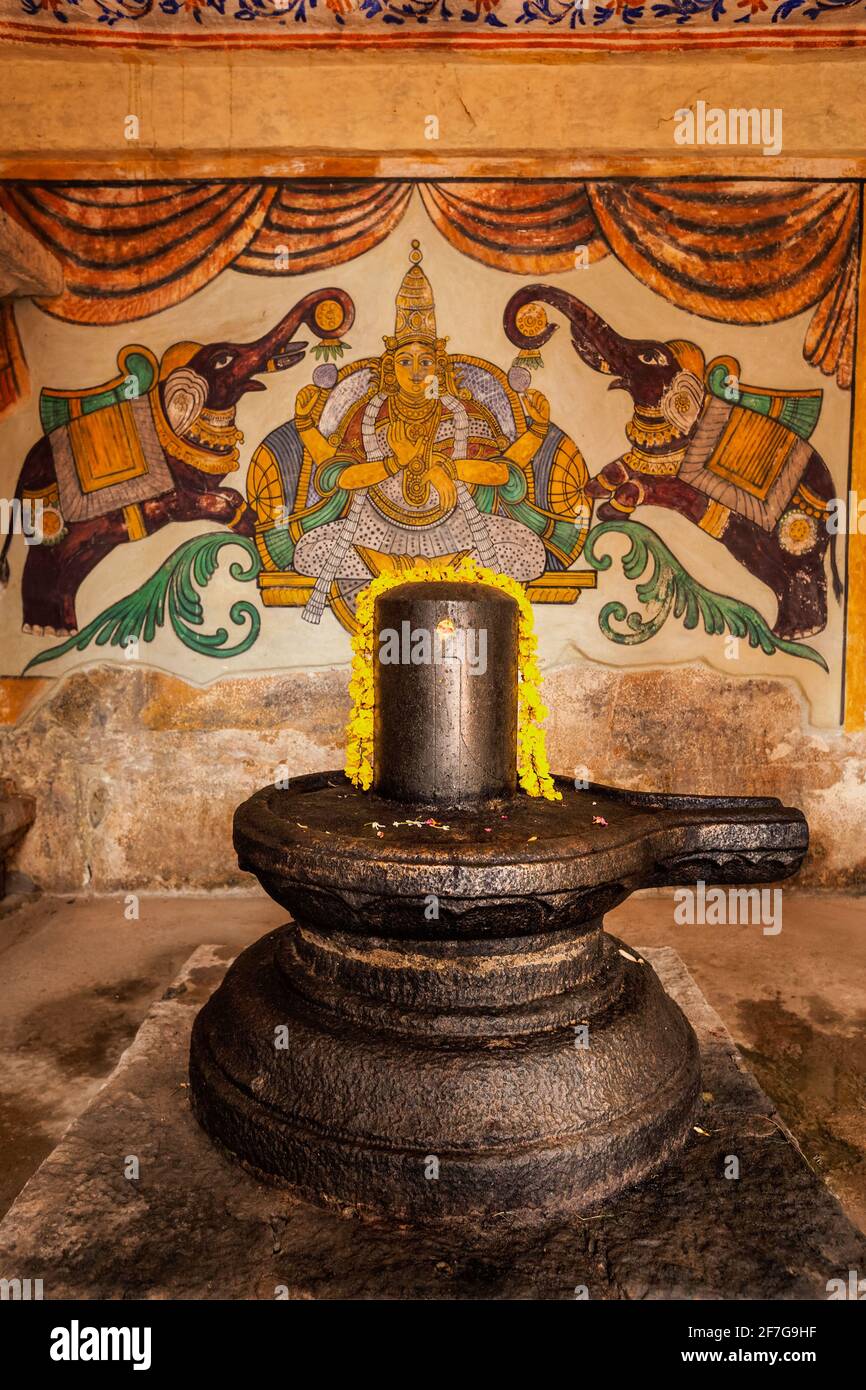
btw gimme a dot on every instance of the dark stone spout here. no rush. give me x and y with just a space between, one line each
444 1029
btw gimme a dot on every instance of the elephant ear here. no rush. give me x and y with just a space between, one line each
681 403
184 393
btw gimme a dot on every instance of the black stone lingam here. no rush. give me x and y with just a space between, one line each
445 1029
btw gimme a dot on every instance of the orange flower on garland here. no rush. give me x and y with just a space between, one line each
533 769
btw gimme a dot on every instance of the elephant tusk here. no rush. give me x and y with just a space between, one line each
290 354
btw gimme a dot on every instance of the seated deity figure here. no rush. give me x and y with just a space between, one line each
413 449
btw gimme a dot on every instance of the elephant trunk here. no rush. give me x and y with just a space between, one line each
329 313
593 339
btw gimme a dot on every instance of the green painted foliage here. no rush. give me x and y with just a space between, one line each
174 589
671 589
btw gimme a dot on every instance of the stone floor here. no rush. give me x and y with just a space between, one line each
79 974
189 1223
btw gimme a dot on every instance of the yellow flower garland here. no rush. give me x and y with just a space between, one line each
533 768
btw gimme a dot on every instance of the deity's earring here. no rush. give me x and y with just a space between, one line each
389 377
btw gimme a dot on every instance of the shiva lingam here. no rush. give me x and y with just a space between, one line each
445 1029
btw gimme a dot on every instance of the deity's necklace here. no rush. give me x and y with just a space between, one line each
416 485
416 415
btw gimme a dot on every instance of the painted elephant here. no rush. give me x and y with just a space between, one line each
733 459
151 446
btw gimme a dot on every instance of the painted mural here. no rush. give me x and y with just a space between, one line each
414 456
216 495
152 446
735 459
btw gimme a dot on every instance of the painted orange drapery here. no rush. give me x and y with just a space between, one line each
730 250
744 252
529 228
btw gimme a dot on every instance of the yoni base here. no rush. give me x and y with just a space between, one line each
424 1080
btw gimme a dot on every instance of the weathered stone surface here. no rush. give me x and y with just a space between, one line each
196 1226
114 755
16 817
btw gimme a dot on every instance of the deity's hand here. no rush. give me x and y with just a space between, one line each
305 400
537 407
402 447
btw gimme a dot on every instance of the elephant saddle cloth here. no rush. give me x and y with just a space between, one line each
105 447
746 461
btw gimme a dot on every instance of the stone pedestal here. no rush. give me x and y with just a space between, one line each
532 1074
447 999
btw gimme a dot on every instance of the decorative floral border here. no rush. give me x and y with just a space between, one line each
179 18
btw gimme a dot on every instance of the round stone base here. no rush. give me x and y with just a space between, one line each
426 1080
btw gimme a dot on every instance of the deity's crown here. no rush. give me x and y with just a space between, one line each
416 313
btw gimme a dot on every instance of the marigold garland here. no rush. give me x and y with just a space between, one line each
533 769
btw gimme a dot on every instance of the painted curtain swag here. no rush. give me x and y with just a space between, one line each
729 250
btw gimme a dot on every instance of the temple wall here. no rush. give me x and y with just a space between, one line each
138 764
138 774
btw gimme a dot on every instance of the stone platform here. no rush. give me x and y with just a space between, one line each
195 1225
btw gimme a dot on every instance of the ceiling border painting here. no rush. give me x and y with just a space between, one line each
574 24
